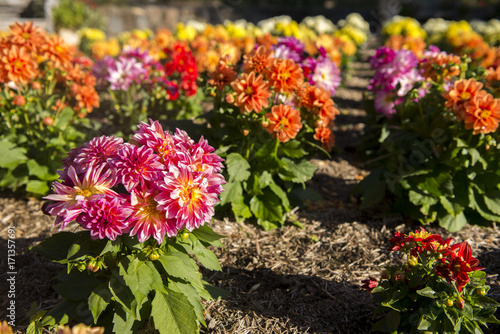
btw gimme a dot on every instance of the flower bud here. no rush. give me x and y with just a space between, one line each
448 302
245 132
386 274
229 98
81 267
19 100
398 275
48 121
460 303
36 85
93 266
154 256
481 291
185 235
413 261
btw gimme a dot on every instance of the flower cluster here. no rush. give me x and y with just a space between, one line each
29 56
437 282
154 186
396 73
285 87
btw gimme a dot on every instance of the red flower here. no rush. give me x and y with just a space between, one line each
369 284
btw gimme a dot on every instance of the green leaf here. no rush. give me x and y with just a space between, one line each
265 179
64 118
296 172
238 167
241 210
99 299
267 207
452 208
424 324
281 194
453 224
233 192
37 187
181 265
76 285
492 201
137 276
192 295
267 151
293 149
112 246
476 156
208 259
206 234
35 327
42 172
172 313
122 294
66 311
418 198
372 188
12 156
427 292
56 247
122 323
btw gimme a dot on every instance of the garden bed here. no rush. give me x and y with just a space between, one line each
289 280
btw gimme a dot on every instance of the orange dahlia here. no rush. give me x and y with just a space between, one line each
17 65
326 137
493 77
258 60
26 35
283 122
222 76
463 91
57 51
252 92
285 75
86 97
447 63
482 114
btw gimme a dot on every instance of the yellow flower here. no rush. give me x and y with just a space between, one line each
185 33
92 34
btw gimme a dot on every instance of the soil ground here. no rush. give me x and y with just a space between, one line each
284 281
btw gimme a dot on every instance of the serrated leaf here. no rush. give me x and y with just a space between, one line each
238 167
208 259
122 323
56 247
99 299
453 224
207 234
172 313
293 149
42 172
37 187
427 292
452 208
182 266
65 116
137 276
35 328
281 194
11 155
192 295
492 201
267 207
122 294
112 246
233 193
297 172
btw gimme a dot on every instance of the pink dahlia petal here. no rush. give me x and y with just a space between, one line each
96 152
105 217
147 220
134 164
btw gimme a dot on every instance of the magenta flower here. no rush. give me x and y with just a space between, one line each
125 72
105 217
97 152
134 164
289 48
185 197
161 142
69 198
147 219
326 75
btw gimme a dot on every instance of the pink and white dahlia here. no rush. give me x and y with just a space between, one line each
125 72
97 153
70 197
137 164
185 197
105 217
326 75
147 220
160 141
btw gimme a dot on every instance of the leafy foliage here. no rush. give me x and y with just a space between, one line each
124 285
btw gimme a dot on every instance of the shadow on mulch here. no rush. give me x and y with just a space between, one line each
309 304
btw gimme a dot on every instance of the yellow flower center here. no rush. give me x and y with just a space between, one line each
286 75
59 48
85 192
149 208
485 113
465 96
249 90
18 64
26 35
190 194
